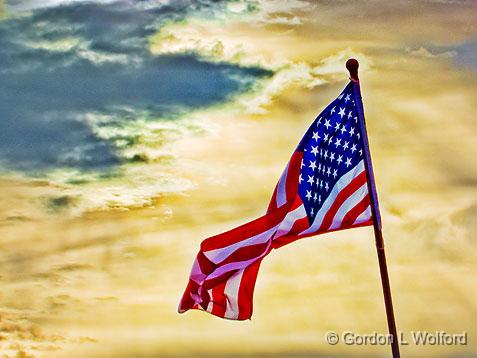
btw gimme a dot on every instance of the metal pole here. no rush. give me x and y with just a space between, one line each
352 66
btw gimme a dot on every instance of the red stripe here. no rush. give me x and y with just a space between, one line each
296 203
206 266
219 301
245 253
344 194
255 251
186 302
294 167
210 283
245 231
299 226
273 202
353 214
366 223
204 298
193 287
247 286
291 183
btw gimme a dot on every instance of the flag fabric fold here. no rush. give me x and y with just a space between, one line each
323 188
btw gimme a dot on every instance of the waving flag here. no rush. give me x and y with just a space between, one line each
323 188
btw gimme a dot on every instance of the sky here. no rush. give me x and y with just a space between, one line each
132 130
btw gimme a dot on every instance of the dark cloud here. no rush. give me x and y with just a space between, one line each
101 64
59 203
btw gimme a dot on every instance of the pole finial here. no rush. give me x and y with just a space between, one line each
352 65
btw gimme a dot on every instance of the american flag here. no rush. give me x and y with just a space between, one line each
323 188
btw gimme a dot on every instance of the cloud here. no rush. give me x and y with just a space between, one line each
2 9
283 12
424 52
60 202
24 5
217 42
463 54
466 54
60 64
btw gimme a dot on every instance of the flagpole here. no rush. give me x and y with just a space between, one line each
352 66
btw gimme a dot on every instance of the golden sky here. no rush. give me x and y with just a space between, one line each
131 132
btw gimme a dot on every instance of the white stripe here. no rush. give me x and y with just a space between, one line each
218 255
340 185
364 216
237 265
349 204
210 306
289 220
281 188
196 298
231 292
196 273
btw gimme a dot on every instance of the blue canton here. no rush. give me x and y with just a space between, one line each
331 148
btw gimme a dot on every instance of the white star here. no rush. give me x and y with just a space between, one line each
330 140
356 119
335 173
348 162
333 109
332 156
319 199
359 135
342 112
317 182
360 152
326 137
308 194
349 115
310 179
345 146
353 148
337 127
343 129
351 131
321 153
328 172
315 197
302 164
318 122
312 211
316 136
326 154
319 166
321 184
327 124
314 150
340 159
300 179
341 96
312 165
347 98
338 142
326 186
